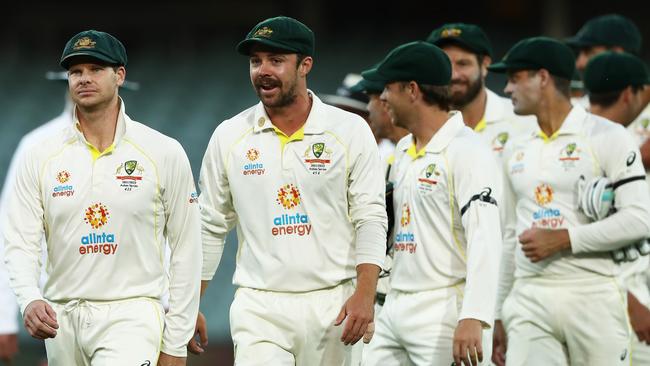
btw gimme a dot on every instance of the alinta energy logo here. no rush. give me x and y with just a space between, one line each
290 224
253 168
63 189
546 217
405 239
96 216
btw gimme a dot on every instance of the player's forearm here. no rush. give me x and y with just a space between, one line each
204 286
367 275
616 231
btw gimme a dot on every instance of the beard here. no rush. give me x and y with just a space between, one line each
459 100
284 98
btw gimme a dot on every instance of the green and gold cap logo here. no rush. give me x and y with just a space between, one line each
84 43
264 32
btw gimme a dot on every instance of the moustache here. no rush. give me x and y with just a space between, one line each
267 82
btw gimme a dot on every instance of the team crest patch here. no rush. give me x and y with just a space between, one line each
317 158
84 43
451 32
569 155
428 178
264 32
129 174
499 142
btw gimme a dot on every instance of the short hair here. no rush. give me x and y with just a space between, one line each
607 99
434 95
299 58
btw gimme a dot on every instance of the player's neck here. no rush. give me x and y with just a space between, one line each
98 124
291 118
615 113
551 114
428 121
474 111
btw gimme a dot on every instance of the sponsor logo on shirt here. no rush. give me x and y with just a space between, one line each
96 216
129 174
569 155
518 166
63 190
405 239
253 168
288 197
194 197
546 217
499 142
543 194
317 158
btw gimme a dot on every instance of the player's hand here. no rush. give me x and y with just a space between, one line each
639 318
468 346
499 344
8 346
359 311
539 244
201 330
40 320
167 360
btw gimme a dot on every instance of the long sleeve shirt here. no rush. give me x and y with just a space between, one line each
106 217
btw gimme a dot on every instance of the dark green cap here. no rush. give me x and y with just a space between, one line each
282 33
608 30
538 53
468 36
98 45
368 87
614 71
419 61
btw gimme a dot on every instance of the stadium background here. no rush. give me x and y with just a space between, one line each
182 54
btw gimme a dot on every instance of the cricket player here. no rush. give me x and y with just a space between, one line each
615 83
106 191
616 33
447 236
566 306
302 182
487 113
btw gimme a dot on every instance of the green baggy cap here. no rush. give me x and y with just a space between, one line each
419 61
95 44
614 71
608 30
282 33
538 53
468 36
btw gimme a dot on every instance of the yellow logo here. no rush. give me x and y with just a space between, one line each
288 196
84 42
406 215
543 194
96 215
63 176
252 154
451 32
265 32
